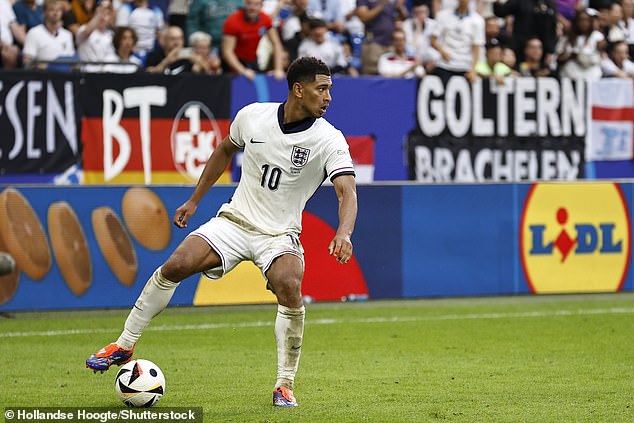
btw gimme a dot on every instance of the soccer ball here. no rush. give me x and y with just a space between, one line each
140 383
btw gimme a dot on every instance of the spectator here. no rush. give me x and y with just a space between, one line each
242 33
353 33
493 30
398 63
10 33
209 16
532 18
330 11
29 14
509 58
170 57
474 5
48 41
352 23
378 16
204 60
492 66
322 45
418 31
579 53
602 16
124 42
146 21
613 31
277 10
566 10
597 4
80 13
291 45
618 64
533 64
628 24
94 39
458 37
292 25
177 14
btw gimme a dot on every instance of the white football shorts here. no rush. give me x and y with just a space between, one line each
234 243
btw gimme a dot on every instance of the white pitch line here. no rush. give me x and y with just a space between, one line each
395 319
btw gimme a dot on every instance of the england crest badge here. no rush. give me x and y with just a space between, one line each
299 156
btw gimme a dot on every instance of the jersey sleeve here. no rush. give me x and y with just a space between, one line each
230 27
339 161
235 130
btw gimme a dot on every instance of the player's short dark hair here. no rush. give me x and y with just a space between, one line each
305 69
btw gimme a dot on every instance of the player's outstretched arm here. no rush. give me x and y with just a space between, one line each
214 168
341 245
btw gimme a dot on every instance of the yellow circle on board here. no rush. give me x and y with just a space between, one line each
575 237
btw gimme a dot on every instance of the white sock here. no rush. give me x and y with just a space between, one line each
289 329
155 296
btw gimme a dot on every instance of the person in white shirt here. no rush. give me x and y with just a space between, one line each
145 20
288 150
48 41
10 32
398 63
94 39
618 64
458 37
579 53
124 61
320 44
418 31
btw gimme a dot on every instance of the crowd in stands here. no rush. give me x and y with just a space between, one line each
587 39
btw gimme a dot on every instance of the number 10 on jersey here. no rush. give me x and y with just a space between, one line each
270 179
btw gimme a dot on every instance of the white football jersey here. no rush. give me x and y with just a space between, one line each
282 167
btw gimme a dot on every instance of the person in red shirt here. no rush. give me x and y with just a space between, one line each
241 35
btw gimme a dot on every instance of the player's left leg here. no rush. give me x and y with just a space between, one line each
285 278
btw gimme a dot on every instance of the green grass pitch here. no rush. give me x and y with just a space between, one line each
535 359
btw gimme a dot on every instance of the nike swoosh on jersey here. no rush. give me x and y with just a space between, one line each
256 142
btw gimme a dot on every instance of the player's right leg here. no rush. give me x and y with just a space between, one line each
192 256
285 278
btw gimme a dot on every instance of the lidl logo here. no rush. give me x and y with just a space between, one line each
575 238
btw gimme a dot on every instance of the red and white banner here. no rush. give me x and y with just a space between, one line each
611 129
362 152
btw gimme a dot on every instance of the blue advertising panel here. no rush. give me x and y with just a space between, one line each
458 240
91 247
